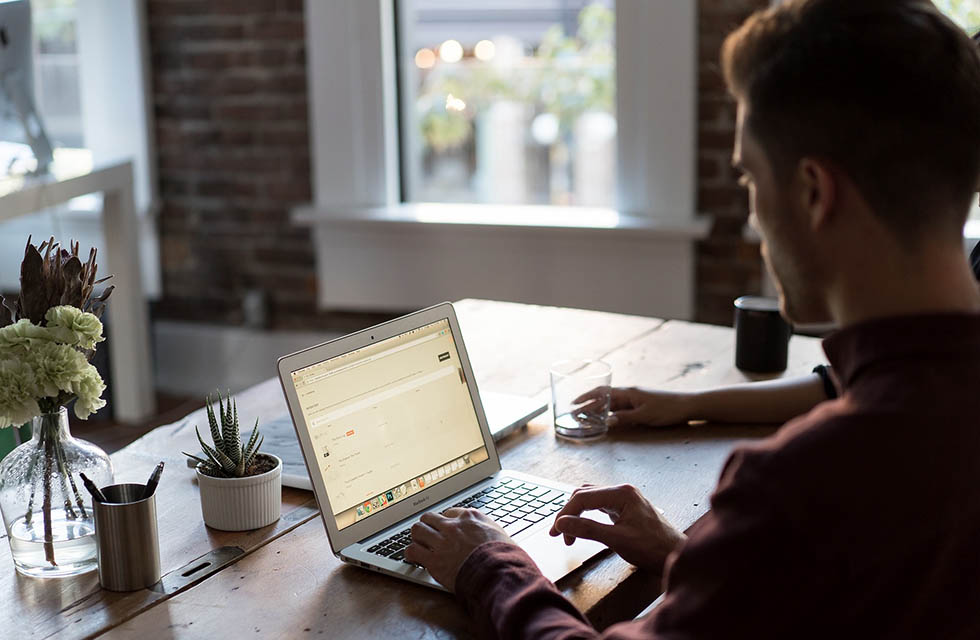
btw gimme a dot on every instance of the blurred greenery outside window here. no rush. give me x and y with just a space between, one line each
965 13
508 102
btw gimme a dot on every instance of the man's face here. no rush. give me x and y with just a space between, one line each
787 248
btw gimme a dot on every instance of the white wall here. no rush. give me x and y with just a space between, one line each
419 265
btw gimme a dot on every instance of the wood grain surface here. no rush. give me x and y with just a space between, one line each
79 607
286 583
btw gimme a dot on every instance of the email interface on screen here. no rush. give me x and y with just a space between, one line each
389 420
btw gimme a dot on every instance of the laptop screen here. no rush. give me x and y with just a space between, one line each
389 420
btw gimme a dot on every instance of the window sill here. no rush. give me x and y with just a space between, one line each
410 256
531 218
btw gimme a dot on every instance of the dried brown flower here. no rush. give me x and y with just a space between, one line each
55 278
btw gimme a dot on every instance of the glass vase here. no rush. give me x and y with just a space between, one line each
46 510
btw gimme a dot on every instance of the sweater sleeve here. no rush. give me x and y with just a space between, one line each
505 593
736 576
507 597
744 572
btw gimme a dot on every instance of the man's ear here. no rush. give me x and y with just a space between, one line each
817 192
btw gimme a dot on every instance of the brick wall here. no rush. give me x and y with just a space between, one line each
727 266
230 104
230 98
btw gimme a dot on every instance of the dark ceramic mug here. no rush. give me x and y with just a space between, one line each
761 335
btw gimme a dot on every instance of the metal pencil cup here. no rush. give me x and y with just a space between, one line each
128 543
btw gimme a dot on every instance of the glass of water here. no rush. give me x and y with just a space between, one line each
571 379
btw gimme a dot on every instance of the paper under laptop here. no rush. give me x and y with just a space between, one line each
391 425
506 413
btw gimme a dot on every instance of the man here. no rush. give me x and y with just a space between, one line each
859 139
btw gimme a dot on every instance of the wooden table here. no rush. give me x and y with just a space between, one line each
283 581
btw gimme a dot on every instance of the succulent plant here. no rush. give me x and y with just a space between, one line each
228 457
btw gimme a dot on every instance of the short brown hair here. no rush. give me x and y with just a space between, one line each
886 90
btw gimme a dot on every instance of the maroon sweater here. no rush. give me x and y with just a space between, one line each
859 519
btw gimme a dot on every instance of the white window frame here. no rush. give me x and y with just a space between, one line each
117 110
361 228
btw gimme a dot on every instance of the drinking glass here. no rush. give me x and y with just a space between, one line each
571 379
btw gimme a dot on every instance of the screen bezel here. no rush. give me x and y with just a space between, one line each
342 538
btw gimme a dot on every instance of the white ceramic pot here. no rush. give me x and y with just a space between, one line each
240 504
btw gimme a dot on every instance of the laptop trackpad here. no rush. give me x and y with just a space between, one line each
554 557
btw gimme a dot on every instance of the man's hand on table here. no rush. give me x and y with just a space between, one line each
442 542
631 406
639 534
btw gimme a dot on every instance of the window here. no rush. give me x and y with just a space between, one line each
508 102
56 89
965 13
83 51
56 85
377 251
364 157
54 67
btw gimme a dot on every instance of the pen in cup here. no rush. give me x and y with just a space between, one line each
94 490
151 484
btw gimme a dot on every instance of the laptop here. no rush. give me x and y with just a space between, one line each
391 425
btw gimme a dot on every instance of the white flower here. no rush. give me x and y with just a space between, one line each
48 362
85 328
62 316
56 367
22 333
18 393
89 390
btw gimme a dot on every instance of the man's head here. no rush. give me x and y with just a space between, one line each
870 105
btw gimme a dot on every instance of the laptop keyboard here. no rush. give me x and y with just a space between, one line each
513 504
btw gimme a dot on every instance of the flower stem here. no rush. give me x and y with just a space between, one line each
30 503
46 505
74 489
62 472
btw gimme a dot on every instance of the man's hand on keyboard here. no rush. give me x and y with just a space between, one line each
442 542
639 534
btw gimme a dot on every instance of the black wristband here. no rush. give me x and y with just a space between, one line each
829 387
